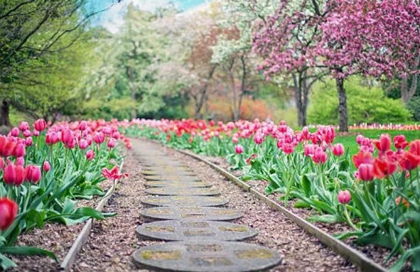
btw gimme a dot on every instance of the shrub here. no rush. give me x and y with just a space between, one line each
364 104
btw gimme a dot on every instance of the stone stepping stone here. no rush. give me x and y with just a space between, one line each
169 173
177 184
172 177
176 230
207 257
183 191
184 201
190 213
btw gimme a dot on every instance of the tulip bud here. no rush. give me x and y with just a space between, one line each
344 197
239 149
112 142
83 144
35 132
14 132
46 166
20 161
28 141
365 172
90 155
23 126
8 211
98 137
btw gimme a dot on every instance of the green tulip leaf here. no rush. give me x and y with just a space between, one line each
26 250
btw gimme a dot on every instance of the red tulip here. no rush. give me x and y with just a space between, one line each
33 173
344 197
415 147
400 142
365 172
14 174
1 163
8 211
384 143
409 161
383 168
40 124
362 157
113 174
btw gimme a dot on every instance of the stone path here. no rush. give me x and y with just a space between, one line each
200 239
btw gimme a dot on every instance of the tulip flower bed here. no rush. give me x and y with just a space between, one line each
375 192
45 170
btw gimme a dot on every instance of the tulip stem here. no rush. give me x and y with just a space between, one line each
348 219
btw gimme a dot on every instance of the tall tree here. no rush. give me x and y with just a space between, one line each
31 29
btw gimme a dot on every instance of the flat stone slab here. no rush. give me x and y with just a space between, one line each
184 201
177 230
172 177
207 257
190 213
177 184
183 191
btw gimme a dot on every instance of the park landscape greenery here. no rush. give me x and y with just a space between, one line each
311 63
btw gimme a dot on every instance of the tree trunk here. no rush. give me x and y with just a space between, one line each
4 113
301 97
202 95
132 90
407 92
342 106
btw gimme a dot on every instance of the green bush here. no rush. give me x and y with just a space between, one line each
413 106
364 104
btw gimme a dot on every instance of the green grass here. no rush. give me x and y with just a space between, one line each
349 141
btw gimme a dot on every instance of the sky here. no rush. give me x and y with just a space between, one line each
112 18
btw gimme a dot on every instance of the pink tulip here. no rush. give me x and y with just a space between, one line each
33 173
365 172
112 142
14 132
90 155
23 126
239 149
13 174
83 144
46 166
40 124
28 141
338 150
344 197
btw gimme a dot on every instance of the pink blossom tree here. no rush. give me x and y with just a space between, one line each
376 38
373 38
286 40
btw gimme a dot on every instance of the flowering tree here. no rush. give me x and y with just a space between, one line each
348 37
286 40
373 38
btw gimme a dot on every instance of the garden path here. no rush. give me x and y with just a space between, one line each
114 242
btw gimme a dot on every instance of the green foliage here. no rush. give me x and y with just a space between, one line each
414 107
365 104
